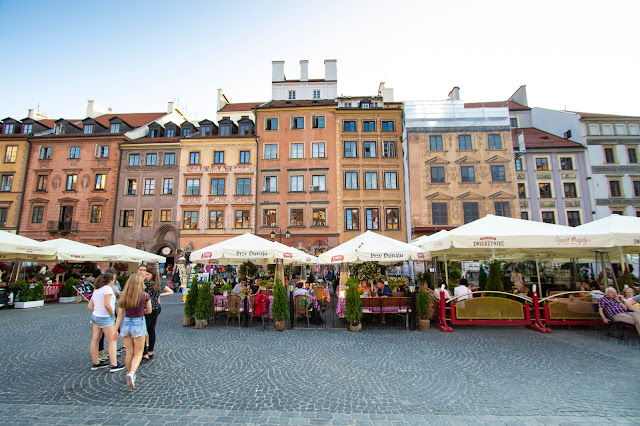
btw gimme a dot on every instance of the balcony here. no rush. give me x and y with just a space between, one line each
54 226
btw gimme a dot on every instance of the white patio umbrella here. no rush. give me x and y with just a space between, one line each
124 253
372 247
625 231
76 251
13 247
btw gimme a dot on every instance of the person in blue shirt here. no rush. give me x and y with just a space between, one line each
384 289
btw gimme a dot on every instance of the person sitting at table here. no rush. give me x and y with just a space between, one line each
383 289
241 286
253 287
524 292
517 279
462 290
610 307
596 293
631 300
447 293
300 290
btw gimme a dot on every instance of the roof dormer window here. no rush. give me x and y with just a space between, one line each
60 129
225 130
115 128
170 133
365 105
153 133
88 129
8 129
204 130
186 132
27 129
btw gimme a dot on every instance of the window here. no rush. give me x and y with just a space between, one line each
549 217
74 153
270 184
634 129
115 128
495 142
296 183
317 150
468 173
206 130
570 190
11 154
636 188
297 123
217 186
4 211
519 165
387 126
269 218
351 180
607 129
369 149
437 174
194 158
165 215
545 190
370 180
566 163
245 129
594 129
96 214
45 153
524 215
8 129
126 218
350 149
169 159
439 214
573 218
270 151
28 128
317 122
464 142
633 155
513 122
542 164
193 187
392 216
292 94
368 126
134 159
319 217
297 150
190 219
36 215
498 174
614 188
351 219
225 130
296 217
271 124
390 180
59 129
318 183
618 212
609 155
149 186
186 132
470 211
243 186
101 181
244 157
316 94
71 182
167 186
621 129
522 190
435 143
349 126
5 183
372 220
41 183
102 151
151 159
242 218
131 187
389 149
170 133
218 157
503 208
147 218
153 133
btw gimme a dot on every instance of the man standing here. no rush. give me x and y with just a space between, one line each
611 306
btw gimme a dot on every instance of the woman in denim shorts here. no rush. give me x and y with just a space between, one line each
132 306
102 306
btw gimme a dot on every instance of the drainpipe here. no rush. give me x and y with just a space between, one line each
115 210
24 182
407 199
255 132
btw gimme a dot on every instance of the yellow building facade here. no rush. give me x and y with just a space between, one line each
14 149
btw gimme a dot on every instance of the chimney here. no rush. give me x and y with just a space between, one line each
454 94
222 100
330 70
31 114
170 107
94 109
385 92
277 71
304 70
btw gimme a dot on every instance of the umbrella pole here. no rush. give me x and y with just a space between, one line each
538 274
623 263
446 271
344 270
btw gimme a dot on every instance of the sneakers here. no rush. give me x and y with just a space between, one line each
131 381
101 364
103 357
116 367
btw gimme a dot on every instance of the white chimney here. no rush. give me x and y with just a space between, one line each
454 94
304 70
31 114
277 71
170 107
94 109
222 100
331 70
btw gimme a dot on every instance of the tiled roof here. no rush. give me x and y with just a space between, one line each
50 123
311 80
300 103
244 106
134 120
199 136
598 115
158 140
513 106
536 138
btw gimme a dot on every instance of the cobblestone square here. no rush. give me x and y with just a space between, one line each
229 374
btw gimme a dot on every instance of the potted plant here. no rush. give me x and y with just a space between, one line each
280 307
29 297
353 306
494 282
203 306
190 304
423 309
225 289
482 278
247 269
68 293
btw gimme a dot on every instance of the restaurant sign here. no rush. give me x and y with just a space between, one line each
338 258
488 242
287 256
251 253
387 255
572 241
213 261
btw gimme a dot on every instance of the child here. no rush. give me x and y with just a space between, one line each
103 304
132 306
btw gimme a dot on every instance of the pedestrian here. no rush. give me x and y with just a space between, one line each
132 306
103 305
115 286
155 290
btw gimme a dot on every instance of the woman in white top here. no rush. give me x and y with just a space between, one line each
103 306
517 279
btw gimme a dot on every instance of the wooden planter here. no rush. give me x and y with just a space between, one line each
27 305
279 325
188 321
201 323
355 328
424 324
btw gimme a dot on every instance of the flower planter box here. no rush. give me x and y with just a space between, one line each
26 305
69 299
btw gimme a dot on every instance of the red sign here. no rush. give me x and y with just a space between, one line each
207 255
213 262
287 256
337 258
420 255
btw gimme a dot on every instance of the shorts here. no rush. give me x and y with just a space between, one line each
133 327
103 322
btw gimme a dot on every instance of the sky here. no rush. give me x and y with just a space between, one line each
135 56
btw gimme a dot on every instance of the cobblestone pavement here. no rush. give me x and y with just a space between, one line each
227 374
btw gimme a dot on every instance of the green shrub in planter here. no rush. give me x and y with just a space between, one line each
68 290
25 291
482 278
192 298
37 293
353 303
248 269
494 282
422 304
202 309
626 280
280 307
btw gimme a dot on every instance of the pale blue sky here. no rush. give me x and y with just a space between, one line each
135 56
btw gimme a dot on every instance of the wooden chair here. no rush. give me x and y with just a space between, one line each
234 307
319 292
216 311
262 316
301 309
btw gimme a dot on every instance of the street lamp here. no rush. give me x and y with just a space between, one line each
412 291
280 232
291 286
